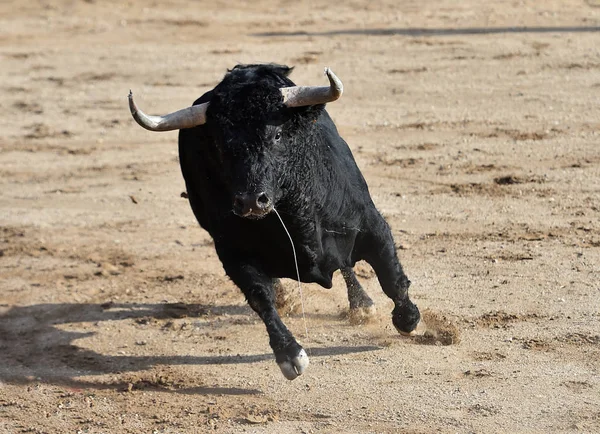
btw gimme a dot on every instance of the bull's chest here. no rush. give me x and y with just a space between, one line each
266 243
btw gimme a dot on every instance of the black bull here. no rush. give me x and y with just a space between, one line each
251 149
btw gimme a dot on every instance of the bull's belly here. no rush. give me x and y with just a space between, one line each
313 275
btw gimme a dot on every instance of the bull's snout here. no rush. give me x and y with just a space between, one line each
252 205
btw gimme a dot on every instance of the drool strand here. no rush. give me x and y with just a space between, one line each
297 273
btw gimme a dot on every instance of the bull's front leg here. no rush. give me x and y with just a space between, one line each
380 252
260 294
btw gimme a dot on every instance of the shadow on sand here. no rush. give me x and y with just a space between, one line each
422 31
34 349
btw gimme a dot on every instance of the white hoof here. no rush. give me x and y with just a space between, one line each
413 333
295 367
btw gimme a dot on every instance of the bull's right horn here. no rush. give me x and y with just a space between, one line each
188 117
299 96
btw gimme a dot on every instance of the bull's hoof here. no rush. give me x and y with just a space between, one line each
361 300
412 333
295 367
405 318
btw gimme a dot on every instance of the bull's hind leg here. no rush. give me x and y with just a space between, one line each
259 292
378 249
361 305
357 297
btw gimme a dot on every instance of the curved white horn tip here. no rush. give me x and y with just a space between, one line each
334 80
132 107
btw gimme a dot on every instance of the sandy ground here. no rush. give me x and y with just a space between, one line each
477 127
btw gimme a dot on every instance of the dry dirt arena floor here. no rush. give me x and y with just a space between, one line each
477 127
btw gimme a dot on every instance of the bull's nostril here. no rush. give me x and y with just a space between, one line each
251 204
263 200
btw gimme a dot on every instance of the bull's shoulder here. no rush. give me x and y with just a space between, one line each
338 157
333 142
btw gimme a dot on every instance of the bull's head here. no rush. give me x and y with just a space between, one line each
247 116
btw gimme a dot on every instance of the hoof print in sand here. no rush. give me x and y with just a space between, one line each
437 330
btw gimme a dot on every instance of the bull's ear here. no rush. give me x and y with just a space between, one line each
287 70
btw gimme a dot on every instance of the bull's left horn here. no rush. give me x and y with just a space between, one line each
298 96
188 117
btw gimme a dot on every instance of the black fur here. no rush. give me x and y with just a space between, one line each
252 143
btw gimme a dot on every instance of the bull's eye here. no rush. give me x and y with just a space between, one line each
278 135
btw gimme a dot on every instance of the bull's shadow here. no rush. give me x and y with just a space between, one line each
33 347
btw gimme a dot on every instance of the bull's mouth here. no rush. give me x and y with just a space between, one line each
255 214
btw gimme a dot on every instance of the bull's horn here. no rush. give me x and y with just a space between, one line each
185 118
298 96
